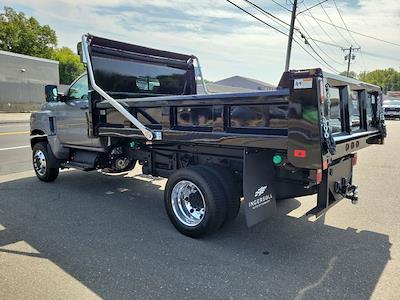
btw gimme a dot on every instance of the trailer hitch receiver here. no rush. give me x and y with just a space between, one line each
346 189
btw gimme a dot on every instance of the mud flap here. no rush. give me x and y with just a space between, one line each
259 194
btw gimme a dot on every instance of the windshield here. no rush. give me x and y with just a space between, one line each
391 102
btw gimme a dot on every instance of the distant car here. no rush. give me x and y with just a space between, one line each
391 108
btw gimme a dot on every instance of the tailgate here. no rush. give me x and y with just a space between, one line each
331 116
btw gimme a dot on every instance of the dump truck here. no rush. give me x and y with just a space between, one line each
220 152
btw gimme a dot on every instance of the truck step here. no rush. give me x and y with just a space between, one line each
78 165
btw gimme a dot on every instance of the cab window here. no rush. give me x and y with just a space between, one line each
79 90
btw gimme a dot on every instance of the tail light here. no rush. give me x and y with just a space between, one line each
318 176
354 159
300 153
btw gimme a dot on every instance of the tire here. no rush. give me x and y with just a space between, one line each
194 201
41 163
231 188
128 168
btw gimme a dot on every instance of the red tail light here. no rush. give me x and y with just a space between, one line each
354 159
318 176
299 153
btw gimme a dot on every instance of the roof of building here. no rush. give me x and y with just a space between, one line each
217 88
28 57
259 82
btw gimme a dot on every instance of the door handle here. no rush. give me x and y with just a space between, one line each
84 107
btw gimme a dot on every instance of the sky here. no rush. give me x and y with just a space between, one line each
227 41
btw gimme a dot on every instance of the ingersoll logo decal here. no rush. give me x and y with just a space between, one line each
262 199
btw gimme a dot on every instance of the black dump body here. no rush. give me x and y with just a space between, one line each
315 120
290 118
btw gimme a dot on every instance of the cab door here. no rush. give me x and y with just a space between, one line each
72 114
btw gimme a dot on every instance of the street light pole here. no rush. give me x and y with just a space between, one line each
290 38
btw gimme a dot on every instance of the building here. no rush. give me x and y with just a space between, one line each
246 83
392 95
218 88
22 81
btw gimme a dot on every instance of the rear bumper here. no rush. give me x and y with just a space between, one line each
336 184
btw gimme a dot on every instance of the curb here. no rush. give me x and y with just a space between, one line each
15 122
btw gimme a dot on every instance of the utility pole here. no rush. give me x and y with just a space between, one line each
349 57
290 39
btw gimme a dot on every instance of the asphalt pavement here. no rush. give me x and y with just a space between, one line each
89 235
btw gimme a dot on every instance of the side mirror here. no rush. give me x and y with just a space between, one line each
51 93
80 53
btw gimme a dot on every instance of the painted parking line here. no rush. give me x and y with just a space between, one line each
14 133
14 148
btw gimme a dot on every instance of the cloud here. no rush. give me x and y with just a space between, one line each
227 41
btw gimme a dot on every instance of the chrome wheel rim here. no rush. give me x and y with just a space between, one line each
39 162
188 203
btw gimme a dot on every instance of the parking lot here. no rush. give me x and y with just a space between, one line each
89 235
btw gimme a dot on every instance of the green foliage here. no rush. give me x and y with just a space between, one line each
24 35
388 79
352 74
70 64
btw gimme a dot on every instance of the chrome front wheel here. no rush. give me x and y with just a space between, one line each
45 169
39 162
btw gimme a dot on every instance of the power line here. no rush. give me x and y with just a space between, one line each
355 32
326 43
318 40
277 3
381 56
316 59
311 7
352 31
351 36
322 28
333 44
250 14
336 28
273 27
344 23
268 14
322 50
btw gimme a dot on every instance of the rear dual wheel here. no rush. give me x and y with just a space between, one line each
198 202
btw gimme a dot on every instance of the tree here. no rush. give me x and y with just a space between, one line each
388 79
352 74
24 35
70 64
